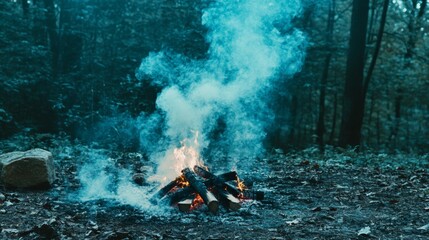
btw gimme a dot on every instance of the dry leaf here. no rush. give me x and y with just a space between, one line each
364 231
425 227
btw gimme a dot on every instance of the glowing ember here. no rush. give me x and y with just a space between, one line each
197 202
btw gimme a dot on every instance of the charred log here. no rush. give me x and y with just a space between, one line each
253 194
232 189
208 197
185 205
164 190
180 195
227 199
217 181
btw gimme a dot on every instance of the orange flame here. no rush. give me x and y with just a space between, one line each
187 155
182 182
240 185
198 201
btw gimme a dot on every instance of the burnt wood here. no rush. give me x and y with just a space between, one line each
208 197
164 190
232 189
225 177
253 194
183 193
185 205
227 199
180 195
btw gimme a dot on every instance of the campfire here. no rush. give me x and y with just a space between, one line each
199 186
196 185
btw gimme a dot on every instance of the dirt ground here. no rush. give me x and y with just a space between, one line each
308 196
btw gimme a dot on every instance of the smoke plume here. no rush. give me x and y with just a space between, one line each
219 104
253 48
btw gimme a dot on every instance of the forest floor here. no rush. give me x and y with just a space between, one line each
341 195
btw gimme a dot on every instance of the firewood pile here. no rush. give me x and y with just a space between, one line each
199 186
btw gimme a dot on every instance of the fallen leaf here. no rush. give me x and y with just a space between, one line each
316 209
364 231
293 222
425 227
10 230
340 186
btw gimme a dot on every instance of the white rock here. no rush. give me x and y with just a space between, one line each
32 168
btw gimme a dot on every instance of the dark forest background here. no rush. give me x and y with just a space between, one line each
69 66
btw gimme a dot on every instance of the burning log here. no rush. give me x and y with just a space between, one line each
232 189
163 191
183 193
218 181
185 205
227 199
221 181
180 195
245 193
188 191
208 197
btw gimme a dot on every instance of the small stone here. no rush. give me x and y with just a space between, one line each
139 179
33 168
2 197
46 231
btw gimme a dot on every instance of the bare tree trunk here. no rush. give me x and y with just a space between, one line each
377 48
320 128
353 106
371 21
414 23
53 35
293 114
25 8
397 121
413 28
378 127
334 120
370 117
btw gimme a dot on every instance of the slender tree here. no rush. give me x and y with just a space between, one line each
353 106
320 128
51 24
25 7
377 48
417 12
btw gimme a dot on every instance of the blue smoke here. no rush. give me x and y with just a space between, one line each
253 48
